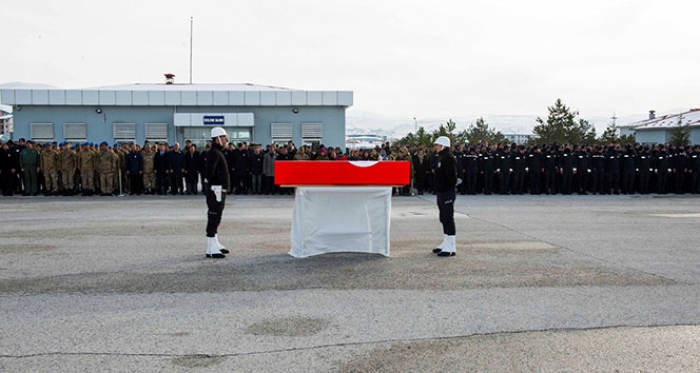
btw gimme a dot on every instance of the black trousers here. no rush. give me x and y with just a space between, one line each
446 205
162 183
7 180
214 211
135 182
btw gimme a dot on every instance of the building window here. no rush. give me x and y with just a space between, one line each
239 134
75 132
41 131
125 133
312 134
157 132
281 133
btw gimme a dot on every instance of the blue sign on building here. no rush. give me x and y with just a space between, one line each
214 120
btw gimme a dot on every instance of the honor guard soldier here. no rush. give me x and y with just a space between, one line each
445 183
217 177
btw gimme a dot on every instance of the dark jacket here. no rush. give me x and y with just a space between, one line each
445 172
177 162
161 163
216 168
255 164
134 163
192 165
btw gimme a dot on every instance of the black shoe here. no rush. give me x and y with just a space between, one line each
216 256
437 251
224 251
445 253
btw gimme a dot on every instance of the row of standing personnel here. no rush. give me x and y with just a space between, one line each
568 169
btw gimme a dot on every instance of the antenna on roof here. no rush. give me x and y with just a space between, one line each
191 27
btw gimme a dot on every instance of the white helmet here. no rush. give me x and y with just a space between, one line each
218 131
443 140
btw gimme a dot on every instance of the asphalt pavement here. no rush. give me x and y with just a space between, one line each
539 284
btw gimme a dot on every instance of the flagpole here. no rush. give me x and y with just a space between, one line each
191 27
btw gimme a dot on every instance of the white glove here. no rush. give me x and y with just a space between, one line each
459 181
217 192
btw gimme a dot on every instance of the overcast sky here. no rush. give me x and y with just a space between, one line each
402 58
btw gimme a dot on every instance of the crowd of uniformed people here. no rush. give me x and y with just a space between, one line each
570 169
29 168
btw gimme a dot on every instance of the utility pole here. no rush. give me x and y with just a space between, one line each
191 27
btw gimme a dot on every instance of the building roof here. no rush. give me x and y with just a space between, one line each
172 95
192 87
690 118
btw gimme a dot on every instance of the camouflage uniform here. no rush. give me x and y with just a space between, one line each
68 164
107 163
121 172
86 163
49 164
149 177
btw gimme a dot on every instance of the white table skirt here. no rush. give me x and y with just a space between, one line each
341 219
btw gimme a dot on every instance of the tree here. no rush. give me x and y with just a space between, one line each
480 132
611 134
680 135
421 137
448 129
562 127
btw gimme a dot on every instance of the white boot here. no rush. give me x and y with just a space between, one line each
441 246
212 250
218 244
449 249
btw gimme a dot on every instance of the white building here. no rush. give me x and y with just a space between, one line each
658 130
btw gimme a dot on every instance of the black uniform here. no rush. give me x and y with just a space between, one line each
8 163
662 167
216 175
583 168
612 172
598 171
519 165
694 168
471 171
534 170
629 166
680 161
567 166
645 169
504 167
445 182
487 167
551 164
